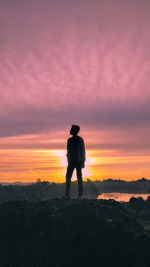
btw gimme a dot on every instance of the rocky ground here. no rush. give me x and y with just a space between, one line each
72 233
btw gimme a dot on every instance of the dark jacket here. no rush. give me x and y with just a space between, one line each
75 149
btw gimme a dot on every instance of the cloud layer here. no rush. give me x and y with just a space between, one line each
85 62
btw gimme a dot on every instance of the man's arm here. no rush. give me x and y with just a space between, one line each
67 150
83 149
82 152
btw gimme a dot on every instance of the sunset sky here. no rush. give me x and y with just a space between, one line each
65 62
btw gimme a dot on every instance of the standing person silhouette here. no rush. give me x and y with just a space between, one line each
76 158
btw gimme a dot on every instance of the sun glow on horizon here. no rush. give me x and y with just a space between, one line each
61 154
28 165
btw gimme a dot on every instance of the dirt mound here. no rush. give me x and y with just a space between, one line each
70 233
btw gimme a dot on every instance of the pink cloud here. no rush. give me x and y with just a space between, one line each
51 53
84 62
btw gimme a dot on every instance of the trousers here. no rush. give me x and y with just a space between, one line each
70 169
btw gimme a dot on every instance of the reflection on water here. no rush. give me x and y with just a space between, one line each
121 196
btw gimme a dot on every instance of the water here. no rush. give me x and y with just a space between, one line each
121 196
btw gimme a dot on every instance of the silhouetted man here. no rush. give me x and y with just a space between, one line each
76 158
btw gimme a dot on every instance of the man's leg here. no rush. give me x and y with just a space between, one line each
69 173
79 177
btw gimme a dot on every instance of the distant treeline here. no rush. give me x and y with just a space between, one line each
43 190
141 186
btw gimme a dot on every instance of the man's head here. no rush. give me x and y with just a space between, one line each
74 129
